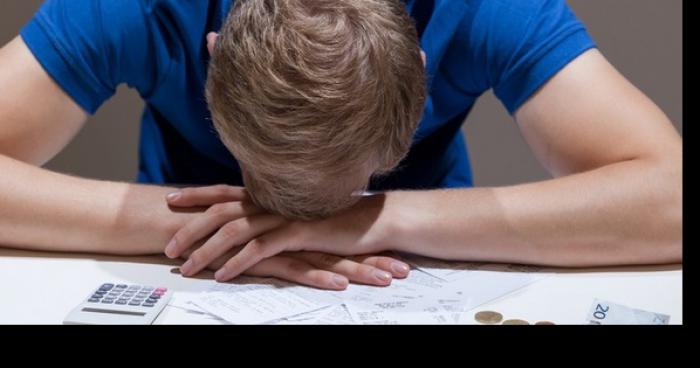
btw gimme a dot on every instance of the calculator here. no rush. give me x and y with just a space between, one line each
120 304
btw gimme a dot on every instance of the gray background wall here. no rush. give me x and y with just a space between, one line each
642 38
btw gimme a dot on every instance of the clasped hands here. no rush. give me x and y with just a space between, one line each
234 237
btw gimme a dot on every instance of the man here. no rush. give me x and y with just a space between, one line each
319 101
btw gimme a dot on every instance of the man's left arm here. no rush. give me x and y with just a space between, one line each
616 196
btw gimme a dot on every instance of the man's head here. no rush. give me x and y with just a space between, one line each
313 97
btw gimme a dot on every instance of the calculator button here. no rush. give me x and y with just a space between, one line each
148 288
121 286
162 289
93 300
101 292
106 287
96 296
134 287
133 302
108 301
149 300
154 296
120 302
148 305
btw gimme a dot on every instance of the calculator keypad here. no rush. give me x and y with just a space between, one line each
133 295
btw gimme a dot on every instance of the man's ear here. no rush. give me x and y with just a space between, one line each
422 55
211 41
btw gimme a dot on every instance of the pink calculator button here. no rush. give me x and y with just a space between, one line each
161 290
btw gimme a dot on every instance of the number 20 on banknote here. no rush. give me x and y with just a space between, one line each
606 313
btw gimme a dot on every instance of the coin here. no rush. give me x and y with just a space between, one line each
545 323
515 322
488 317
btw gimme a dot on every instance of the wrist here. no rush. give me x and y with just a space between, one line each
146 223
397 222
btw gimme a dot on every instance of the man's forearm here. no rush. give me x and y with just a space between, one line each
42 210
626 213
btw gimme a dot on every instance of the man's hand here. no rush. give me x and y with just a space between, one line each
239 229
319 270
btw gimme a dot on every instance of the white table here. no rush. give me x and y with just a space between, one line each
41 288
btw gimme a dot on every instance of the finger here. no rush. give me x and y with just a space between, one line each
187 252
355 271
206 223
298 271
206 196
398 269
255 251
219 262
231 235
211 41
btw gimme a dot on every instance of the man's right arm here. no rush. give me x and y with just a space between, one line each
43 210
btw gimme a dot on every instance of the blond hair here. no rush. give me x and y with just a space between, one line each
314 96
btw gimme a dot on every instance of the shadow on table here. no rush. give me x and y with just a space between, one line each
162 260
635 268
145 260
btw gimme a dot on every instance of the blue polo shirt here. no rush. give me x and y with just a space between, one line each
158 47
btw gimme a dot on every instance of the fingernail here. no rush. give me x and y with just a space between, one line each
382 275
400 267
186 268
220 274
340 281
173 196
170 248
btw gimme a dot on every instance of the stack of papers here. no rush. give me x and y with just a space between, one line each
435 292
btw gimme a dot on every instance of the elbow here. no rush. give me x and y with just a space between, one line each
669 247
673 219
666 221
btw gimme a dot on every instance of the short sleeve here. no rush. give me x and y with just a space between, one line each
518 45
90 47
